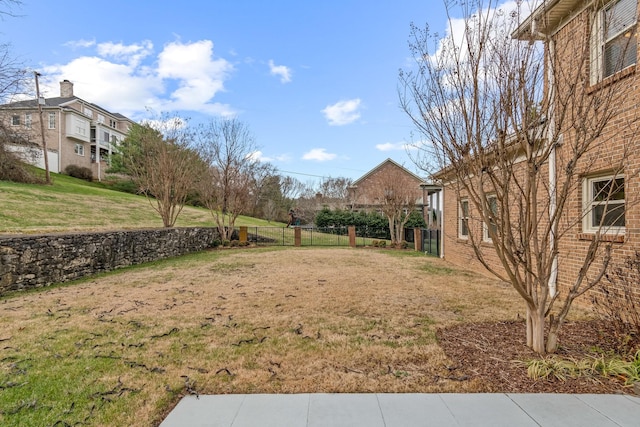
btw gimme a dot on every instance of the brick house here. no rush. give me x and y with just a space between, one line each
363 192
560 24
76 132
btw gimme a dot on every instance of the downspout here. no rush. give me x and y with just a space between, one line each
441 200
60 140
553 179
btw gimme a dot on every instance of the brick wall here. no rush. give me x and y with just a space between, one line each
40 260
618 146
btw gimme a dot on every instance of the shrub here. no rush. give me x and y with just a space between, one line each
12 168
235 243
375 243
226 242
80 172
382 244
123 184
617 303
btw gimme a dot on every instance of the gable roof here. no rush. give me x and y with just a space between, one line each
59 102
375 169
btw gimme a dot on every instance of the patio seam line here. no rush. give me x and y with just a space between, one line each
235 416
384 423
597 410
453 415
522 409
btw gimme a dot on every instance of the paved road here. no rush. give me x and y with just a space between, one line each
406 410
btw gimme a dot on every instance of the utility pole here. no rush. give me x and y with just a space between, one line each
44 142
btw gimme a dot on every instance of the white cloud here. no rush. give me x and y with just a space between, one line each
280 70
342 112
319 155
260 156
117 87
395 146
132 53
74 44
131 78
199 76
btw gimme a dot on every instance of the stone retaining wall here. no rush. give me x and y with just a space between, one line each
40 260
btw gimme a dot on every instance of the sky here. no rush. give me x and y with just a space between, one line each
316 82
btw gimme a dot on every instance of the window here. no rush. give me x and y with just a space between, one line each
491 227
79 149
27 120
105 137
463 220
80 126
614 42
88 112
100 119
113 123
15 120
52 120
604 204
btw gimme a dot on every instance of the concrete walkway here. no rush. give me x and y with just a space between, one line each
405 410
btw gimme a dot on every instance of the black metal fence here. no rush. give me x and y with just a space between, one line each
338 236
314 236
429 240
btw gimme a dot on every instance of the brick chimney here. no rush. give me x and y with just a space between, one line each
66 89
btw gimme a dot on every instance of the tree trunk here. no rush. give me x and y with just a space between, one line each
535 329
552 338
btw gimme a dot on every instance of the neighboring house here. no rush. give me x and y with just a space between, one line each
364 193
555 22
76 132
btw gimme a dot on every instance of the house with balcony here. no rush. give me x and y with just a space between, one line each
76 132
601 204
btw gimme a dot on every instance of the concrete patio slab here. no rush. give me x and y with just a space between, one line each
405 410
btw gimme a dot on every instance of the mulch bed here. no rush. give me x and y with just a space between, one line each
487 351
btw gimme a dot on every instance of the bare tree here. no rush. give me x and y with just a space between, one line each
228 148
14 79
13 73
514 128
6 7
396 195
163 164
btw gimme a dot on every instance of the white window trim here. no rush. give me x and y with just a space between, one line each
28 120
588 204
13 117
598 43
461 218
485 226
52 120
79 150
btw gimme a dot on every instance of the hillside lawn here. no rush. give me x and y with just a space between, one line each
71 204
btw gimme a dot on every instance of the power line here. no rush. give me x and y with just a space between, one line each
305 174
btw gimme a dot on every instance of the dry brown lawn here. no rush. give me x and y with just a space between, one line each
249 321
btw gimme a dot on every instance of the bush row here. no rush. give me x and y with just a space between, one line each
343 218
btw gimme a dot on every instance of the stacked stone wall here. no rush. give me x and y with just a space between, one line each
30 261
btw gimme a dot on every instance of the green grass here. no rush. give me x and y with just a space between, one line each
71 204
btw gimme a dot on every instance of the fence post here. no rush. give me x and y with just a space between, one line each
297 233
352 236
244 233
417 239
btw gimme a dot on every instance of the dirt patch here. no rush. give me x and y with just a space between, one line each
487 352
